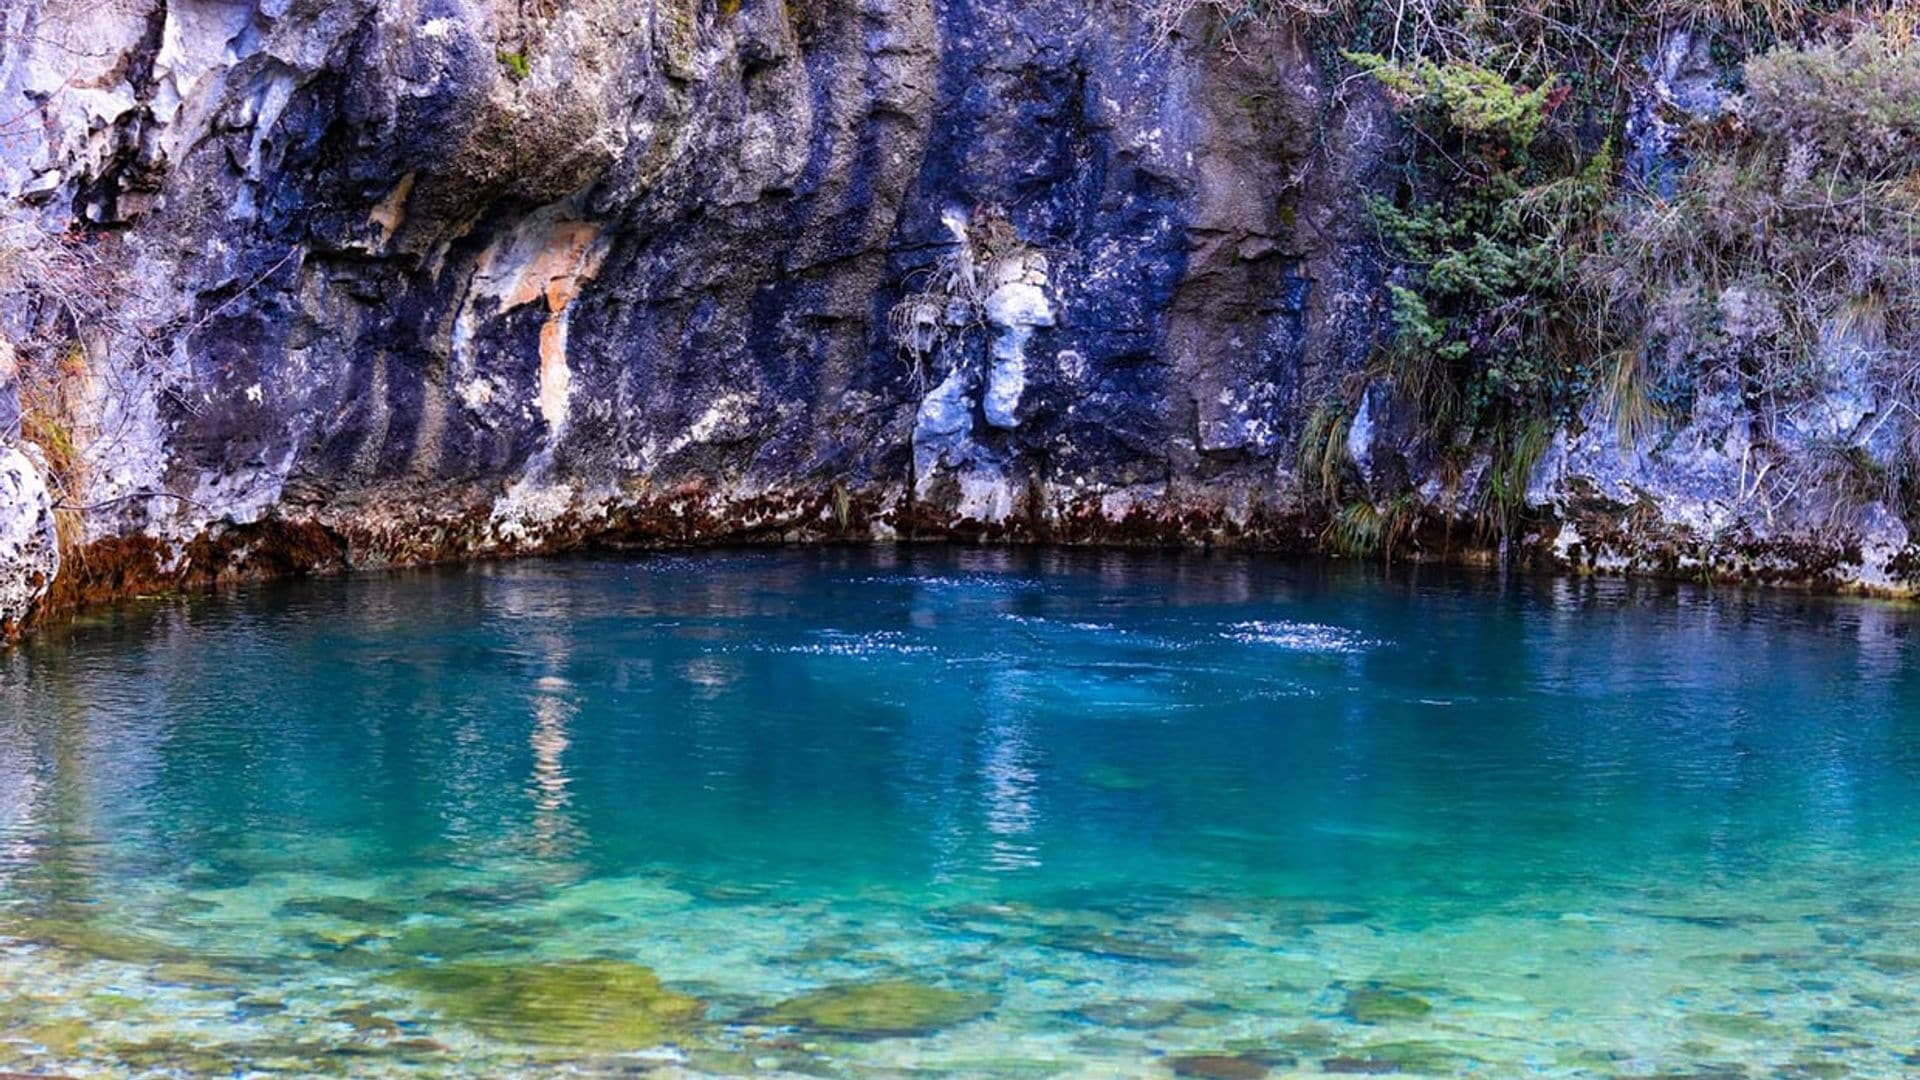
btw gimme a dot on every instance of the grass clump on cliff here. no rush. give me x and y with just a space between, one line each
1783 264
1795 228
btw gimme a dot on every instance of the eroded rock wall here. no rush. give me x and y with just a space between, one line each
451 276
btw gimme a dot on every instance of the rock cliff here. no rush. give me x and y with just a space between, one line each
352 283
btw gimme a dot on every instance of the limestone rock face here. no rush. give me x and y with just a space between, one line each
437 277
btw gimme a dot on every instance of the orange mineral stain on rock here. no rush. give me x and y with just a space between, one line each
547 259
556 379
567 259
391 212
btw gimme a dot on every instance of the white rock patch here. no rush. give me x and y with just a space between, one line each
29 549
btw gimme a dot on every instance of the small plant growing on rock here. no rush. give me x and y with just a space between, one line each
517 64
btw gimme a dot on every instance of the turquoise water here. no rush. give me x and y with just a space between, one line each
963 813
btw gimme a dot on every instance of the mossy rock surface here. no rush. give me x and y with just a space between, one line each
62 1038
589 1004
879 1010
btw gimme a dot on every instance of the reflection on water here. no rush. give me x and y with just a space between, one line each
986 812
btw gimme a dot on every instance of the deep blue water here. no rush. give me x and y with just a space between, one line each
1044 813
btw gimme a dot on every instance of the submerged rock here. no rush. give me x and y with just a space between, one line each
62 1038
1415 1056
1892 964
1114 778
466 898
89 941
1219 1066
1357 1066
879 1010
1119 947
1375 1006
1745 1026
345 908
592 1004
199 974
448 942
1138 1015
173 1054
364 1019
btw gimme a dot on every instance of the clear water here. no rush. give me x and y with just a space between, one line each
1044 814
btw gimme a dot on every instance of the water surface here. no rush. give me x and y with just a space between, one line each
962 813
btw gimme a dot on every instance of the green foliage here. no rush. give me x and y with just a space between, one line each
1324 462
1489 308
1471 98
1533 277
1855 103
1362 530
517 64
1517 450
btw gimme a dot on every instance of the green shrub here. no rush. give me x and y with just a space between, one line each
1531 278
1472 99
1489 317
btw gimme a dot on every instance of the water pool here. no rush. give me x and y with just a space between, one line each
949 812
